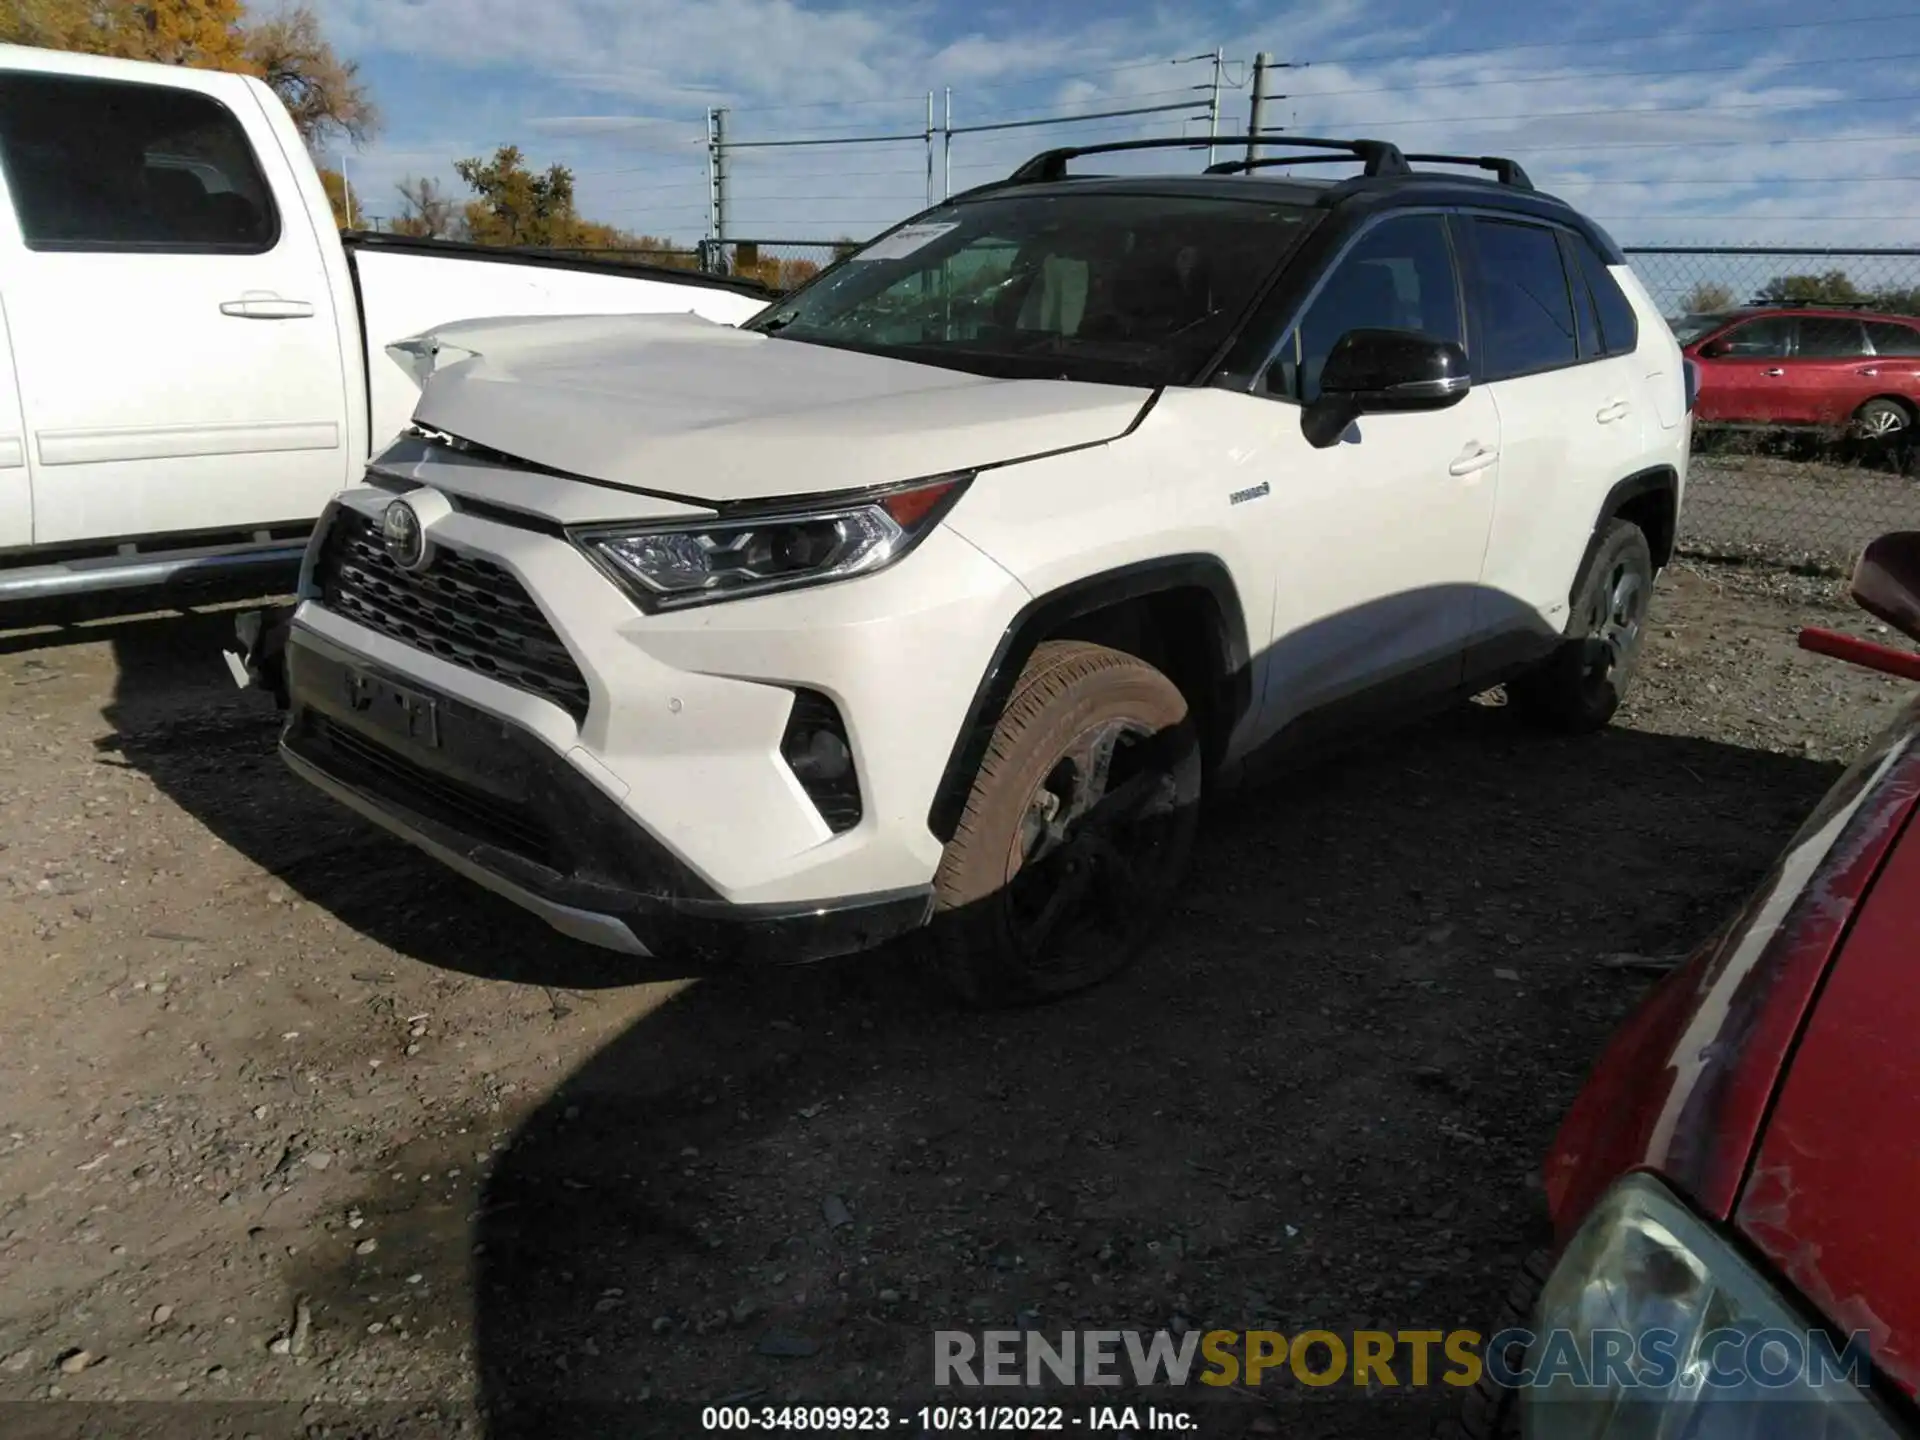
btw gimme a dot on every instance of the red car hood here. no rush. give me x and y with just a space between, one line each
1830 1198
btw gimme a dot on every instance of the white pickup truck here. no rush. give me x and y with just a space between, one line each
193 359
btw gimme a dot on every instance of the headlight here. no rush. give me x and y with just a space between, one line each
1652 1326
664 566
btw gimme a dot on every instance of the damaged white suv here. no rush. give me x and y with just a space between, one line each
936 595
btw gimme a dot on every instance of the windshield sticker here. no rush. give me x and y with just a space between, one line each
905 241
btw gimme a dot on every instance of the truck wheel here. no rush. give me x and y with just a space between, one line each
1076 833
1580 686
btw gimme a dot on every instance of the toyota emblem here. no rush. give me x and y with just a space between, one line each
404 536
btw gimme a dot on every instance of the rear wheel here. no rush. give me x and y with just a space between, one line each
1077 831
1581 685
1882 419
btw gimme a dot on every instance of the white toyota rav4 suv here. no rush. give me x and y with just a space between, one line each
935 595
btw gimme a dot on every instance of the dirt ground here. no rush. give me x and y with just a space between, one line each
289 1115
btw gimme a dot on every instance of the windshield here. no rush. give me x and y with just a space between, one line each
1689 328
1127 289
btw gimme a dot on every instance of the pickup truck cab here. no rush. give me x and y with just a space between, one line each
192 358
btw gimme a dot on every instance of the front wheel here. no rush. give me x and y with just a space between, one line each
1581 685
1076 833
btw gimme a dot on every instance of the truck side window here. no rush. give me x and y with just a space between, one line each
103 165
1398 276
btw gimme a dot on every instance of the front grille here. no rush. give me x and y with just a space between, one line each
369 766
468 611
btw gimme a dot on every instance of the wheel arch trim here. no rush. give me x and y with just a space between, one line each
1045 614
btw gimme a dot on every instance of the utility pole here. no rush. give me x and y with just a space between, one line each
346 189
946 150
716 186
929 147
1257 103
1213 105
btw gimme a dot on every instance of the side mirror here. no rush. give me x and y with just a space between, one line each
1383 372
1886 581
1713 349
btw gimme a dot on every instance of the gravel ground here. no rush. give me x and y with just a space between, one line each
1794 512
289 1115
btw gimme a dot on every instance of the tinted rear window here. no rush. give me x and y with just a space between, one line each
1619 326
1893 339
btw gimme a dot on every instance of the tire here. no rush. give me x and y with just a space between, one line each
1882 419
1044 890
1490 1411
1578 689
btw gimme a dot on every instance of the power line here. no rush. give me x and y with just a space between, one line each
1584 75
1717 144
1905 98
1757 180
1403 56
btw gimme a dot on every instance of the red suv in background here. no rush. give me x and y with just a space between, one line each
1806 365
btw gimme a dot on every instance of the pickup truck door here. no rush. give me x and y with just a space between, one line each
180 367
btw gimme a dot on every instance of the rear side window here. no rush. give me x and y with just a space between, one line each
1619 326
1526 307
106 166
1891 339
1823 337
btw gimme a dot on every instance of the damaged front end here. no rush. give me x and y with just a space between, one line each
260 662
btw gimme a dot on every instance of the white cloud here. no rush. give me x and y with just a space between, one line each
1711 153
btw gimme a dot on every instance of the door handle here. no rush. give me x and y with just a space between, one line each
1871 371
266 307
1617 410
1773 370
1476 459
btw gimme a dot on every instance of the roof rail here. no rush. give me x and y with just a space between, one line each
1764 303
1052 164
1505 171
1379 157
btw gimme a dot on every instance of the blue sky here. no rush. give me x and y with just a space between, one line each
1719 123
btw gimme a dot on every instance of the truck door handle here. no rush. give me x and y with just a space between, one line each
1871 371
1773 370
266 307
1476 459
1616 410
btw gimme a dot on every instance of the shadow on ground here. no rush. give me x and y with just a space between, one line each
1317 1103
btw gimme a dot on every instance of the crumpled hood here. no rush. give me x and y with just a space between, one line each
681 406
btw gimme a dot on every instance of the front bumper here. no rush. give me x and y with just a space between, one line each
495 802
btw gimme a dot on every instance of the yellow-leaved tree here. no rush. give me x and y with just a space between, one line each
323 92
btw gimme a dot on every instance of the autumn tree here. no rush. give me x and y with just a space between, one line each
430 213
1707 298
348 213
321 91
513 205
287 50
206 34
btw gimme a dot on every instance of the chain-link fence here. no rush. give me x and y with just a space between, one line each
778 264
1840 470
